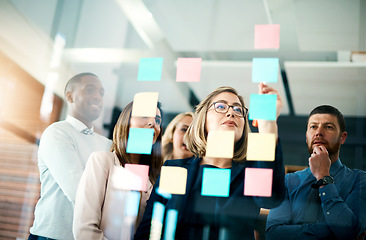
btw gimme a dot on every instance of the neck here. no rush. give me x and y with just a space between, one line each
218 162
135 158
334 157
87 123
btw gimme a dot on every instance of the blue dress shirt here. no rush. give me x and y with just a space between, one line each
343 206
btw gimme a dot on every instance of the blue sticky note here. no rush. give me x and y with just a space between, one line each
150 69
170 224
132 203
216 182
265 70
140 140
263 106
158 212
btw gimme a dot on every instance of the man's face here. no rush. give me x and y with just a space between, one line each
87 99
323 129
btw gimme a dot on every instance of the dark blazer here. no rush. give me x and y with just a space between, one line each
236 213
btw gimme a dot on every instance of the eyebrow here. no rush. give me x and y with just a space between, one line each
326 123
235 103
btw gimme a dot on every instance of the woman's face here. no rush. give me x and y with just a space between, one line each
148 122
225 121
179 148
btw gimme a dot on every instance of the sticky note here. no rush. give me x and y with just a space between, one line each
258 182
157 221
140 140
122 179
267 36
216 182
163 193
220 144
142 171
145 104
132 204
188 69
173 180
150 69
265 70
261 147
263 106
170 224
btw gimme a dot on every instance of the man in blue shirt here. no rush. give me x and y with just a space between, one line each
326 200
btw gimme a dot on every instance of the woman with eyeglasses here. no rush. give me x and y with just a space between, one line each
93 218
217 217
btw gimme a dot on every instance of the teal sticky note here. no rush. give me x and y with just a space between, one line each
216 182
158 212
170 224
132 203
265 70
263 107
150 69
140 140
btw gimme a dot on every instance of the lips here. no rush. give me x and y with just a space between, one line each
230 123
319 142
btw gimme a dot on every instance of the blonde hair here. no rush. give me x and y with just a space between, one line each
167 142
119 145
196 136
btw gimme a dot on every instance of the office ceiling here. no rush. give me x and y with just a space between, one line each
317 41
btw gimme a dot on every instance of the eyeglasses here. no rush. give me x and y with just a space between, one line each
157 120
221 107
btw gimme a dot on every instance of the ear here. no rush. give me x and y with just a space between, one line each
69 97
343 137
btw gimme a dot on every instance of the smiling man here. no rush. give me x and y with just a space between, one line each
326 200
64 149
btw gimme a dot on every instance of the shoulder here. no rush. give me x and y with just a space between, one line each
297 178
180 162
101 158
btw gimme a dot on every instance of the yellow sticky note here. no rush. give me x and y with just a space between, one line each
261 147
220 144
173 180
144 104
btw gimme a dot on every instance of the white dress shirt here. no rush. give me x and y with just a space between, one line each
62 156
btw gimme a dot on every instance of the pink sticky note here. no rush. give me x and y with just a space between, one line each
267 36
142 171
189 69
258 182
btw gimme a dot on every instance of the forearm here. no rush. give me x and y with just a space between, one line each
338 214
265 126
304 231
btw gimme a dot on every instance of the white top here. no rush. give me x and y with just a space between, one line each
62 156
99 207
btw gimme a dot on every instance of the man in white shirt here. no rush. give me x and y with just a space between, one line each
64 149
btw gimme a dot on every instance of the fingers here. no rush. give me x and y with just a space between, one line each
265 89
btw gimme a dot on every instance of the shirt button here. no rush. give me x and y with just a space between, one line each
328 213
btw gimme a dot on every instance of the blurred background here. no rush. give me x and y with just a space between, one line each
322 58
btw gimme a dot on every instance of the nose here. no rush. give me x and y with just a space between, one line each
319 131
151 122
230 112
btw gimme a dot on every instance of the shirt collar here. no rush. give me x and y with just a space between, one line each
76 123
335 167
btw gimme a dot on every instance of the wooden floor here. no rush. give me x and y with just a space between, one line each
19 185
